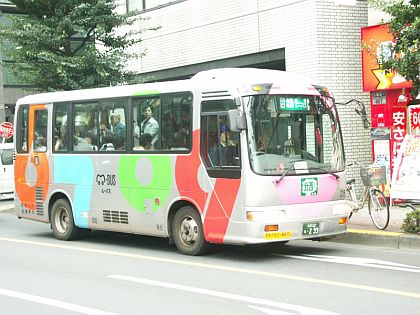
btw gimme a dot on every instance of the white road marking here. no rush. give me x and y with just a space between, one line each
219 267
357 261
289 308
52 302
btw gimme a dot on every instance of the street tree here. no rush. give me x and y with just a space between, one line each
72 44
405 27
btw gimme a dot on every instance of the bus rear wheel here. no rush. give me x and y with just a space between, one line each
187 232
62 222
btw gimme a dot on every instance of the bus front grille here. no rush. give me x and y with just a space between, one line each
111 216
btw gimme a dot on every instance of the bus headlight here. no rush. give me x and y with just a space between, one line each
265 215
255 215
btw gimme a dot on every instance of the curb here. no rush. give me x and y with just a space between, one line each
393 240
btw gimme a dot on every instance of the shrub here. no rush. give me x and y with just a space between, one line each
411 222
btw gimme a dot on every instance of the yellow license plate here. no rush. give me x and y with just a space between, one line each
277 235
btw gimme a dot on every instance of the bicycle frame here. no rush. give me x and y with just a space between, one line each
357 204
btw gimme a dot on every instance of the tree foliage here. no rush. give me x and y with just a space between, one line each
71 44
405 27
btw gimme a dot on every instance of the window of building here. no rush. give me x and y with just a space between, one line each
141 5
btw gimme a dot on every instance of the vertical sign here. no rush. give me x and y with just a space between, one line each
414 116
398 131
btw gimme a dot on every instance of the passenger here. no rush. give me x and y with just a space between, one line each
180 141
149 125
145 142
117 135
228 149
185 124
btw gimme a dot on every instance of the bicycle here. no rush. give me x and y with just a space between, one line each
378 204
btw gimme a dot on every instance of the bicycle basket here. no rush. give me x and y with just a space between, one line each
365 176
374 175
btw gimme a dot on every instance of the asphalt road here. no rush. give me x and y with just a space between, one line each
110 273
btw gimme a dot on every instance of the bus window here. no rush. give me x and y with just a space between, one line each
220 145
22 130
113 131
60 128
146 113
176 122
82 132
40 134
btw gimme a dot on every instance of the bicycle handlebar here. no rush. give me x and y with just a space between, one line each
357 163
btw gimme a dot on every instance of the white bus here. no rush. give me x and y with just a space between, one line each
230 156
6 169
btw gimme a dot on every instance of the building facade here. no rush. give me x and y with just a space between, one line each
319 39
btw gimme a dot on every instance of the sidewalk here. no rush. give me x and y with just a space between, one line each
362 231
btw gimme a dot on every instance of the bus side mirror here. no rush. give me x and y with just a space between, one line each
237 120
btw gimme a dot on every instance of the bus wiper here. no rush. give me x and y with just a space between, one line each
285 172
325 171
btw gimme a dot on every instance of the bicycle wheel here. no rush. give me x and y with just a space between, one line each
378 208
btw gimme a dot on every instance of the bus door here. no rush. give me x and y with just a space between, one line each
32 166
220 153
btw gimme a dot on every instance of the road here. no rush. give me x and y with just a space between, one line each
110 273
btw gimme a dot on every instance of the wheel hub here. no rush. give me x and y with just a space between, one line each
189 230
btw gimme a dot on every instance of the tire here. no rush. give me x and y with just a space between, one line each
378 208
62 222
187 232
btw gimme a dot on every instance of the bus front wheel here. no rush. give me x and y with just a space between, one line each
188 232
62 222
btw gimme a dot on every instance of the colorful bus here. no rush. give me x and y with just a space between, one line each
230 156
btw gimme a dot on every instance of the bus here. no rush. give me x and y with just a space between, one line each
229 156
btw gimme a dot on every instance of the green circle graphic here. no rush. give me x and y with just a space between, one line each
136 193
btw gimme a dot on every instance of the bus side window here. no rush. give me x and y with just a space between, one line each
146 119
112 127
22 130
176 122
40 134
60 128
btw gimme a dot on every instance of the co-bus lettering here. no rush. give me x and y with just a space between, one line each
106 179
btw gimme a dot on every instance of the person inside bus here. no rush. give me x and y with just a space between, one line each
180 141
145 142
227 147
79 143
148 125
116 136
185 124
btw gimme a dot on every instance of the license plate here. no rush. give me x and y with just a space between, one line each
310 228
277 235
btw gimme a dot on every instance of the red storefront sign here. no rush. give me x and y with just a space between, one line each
398 131
376 43
414 113
6 130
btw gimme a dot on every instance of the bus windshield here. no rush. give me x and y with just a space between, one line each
293 135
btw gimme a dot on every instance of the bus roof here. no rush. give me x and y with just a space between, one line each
236 80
